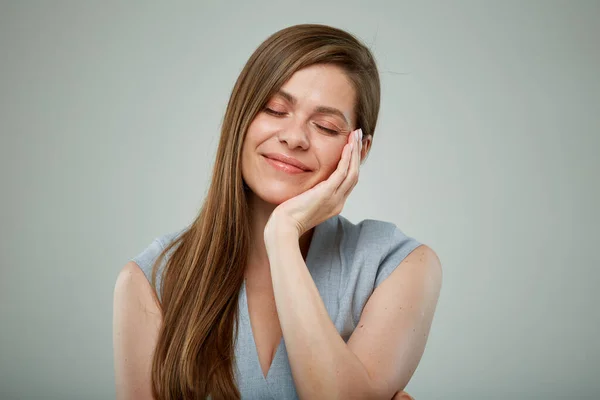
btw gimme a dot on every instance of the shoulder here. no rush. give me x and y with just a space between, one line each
136 322
374 228
381 245
148 256
132 285
374 234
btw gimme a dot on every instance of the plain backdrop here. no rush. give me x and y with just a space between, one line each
487 149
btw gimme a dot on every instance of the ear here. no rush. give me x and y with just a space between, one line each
366 146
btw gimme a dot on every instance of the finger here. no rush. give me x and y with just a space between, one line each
344 185
352 176
337 177
347 165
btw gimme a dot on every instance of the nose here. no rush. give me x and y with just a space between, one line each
295 136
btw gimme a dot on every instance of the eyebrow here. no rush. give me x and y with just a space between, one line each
319 109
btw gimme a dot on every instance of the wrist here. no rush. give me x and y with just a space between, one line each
278 228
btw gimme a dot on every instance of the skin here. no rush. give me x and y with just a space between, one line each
384 350
297 135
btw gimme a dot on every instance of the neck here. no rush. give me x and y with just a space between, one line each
258 261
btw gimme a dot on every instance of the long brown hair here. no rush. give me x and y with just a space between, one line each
203 274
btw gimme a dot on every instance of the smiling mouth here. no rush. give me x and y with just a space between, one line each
284 167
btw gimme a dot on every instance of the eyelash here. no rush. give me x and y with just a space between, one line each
281 114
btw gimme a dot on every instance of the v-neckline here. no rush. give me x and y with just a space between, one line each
314 242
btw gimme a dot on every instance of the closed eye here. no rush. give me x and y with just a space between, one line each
331 131
281 114
277 113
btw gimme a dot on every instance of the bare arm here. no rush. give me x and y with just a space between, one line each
383 351
136 322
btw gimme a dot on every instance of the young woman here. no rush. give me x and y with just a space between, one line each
270 292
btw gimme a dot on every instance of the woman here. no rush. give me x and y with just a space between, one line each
270 293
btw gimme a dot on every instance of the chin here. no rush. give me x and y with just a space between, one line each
277 193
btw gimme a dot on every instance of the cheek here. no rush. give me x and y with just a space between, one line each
330 157
258 132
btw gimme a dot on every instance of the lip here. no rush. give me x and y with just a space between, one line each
290 161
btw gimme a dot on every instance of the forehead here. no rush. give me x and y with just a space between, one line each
322 85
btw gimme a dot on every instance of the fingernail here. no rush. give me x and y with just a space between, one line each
360 133
356 134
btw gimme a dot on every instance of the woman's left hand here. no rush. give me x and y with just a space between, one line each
326 199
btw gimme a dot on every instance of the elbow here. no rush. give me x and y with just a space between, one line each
378 389
363 386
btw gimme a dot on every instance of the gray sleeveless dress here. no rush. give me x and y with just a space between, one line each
347 262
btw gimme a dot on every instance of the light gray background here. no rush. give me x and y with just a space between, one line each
486 150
